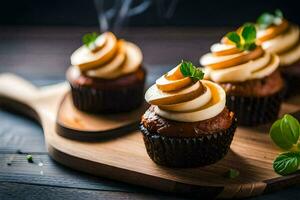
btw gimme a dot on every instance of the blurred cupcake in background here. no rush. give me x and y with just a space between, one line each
106 75
248 74
278 35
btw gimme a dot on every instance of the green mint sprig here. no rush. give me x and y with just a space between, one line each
245 39
29 158
266 19
189 70
285 134
89 39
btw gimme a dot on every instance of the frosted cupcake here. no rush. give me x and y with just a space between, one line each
106 75
249 75
277 35
187 123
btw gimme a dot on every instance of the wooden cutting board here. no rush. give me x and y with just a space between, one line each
123 156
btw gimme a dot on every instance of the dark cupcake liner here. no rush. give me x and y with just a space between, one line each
188 151
292 81
251 111
117 100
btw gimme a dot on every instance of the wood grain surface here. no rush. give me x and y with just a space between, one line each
42 55
124 158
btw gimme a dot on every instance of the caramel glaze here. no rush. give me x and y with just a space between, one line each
156 124
257 87
127 80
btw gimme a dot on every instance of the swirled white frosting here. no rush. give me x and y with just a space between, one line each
110 58
233 65
286 44
192 102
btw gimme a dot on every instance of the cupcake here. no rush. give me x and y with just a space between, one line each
277 35
187 124
106 75
248 74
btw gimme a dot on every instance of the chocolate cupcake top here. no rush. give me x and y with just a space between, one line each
239 58
181 95
279 36
106 57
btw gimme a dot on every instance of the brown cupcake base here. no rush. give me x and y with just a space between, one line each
251 111
107 101
188 152
95 95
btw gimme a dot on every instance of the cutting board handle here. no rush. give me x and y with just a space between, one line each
17 88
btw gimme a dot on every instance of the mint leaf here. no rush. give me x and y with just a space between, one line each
29 158
246 39
278 136
291 127
285 132
249 33
185 68
234 37
189 70
287 163
89 39
279 13
232 173
267 19
249 47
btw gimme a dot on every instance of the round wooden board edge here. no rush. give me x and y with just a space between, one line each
135 178
81 135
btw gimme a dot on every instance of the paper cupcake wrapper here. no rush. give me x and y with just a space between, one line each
118 100
251 111
189 151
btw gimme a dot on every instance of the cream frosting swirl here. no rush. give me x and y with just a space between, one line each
226 63
178 98
282 39
108 58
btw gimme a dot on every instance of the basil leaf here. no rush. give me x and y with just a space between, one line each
286 163
234 37
290 126
249 33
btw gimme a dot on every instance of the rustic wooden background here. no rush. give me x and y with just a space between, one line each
41 54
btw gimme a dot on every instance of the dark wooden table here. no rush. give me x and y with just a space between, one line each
41 54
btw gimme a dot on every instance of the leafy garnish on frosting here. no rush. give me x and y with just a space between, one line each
89 39
245 39
266 19
189 70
